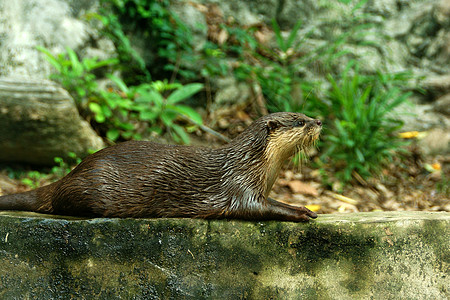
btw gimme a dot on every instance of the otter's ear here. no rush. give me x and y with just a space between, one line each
272 125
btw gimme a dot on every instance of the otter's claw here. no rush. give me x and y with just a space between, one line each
309 213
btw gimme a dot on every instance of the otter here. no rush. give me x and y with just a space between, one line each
140 179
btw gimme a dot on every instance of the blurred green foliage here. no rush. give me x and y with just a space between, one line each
354 106
124 112
276 69
165 37
443 185
34 179
360 135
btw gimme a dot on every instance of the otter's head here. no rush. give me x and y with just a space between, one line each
260 150
278 135
290 132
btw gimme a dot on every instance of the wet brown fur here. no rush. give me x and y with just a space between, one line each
144 179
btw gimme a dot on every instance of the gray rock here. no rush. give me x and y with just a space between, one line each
385 8
442 105
398 27
39 121
104 50
395 56
54 24
437 85
438 52
229 91
289 12
436 141
369 58
420 117
247 13
194 19
442 13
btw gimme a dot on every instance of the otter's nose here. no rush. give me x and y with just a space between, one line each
319 123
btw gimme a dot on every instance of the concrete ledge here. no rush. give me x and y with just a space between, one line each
395 255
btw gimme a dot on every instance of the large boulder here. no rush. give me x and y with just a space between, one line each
54 24
382 255
39 121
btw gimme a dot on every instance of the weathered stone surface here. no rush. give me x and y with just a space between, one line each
38 121
231 92
443 105
437 85
442 13
436 141
54 24
396 255
195 20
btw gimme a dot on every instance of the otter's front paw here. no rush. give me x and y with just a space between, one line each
304 214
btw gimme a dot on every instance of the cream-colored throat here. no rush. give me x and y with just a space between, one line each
276 153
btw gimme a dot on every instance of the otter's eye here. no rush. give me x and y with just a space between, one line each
299 123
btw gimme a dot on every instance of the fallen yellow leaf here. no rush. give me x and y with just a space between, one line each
313 207
408 134
345 199
413 135
436 166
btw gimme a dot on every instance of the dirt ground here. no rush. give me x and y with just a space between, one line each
401 186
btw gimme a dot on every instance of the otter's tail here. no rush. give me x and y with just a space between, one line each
22 201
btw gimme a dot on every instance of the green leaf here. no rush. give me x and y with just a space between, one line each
76 65
95 64
153 97
399 100
179 131
95 107
359 155
293 34
112 134
119 82
98 112
106 111
29 182
50 58
156 129
162 86
188 112
147 115
358 5
58 160
184 92
127 135
168 117
126 126
279 37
